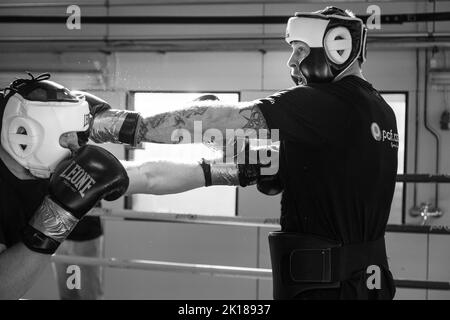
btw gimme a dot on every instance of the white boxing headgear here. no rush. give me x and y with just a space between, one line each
335 42
36 112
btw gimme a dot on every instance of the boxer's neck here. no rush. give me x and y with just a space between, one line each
353 70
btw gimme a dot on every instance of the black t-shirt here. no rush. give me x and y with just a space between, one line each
338 159
19 201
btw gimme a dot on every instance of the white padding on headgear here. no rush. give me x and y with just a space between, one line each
338 44
23 145
308 30
31 130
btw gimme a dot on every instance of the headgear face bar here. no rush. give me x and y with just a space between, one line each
335 41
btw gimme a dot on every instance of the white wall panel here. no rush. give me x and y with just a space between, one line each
407 255
276 72
231 246
189 71
439 262
410 294
438 295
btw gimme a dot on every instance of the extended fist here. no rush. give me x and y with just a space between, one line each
111 125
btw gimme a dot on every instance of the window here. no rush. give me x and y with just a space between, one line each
215 200
398 103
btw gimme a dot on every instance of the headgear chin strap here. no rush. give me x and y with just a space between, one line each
35 113
335 42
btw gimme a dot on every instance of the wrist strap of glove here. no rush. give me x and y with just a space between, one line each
116 126
48 227
38 242
206 172
230 174
130 127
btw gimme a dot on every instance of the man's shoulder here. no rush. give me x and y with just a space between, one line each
316 91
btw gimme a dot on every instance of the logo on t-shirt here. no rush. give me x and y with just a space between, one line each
383 135
376 132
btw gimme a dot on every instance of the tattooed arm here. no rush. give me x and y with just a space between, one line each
217 115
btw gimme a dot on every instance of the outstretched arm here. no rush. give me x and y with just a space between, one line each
167 177
163 177
122 126
217 115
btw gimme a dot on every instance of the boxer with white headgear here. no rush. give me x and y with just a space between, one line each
36 113
49 180
335 43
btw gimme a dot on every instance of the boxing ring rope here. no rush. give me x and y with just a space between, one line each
423 178
243 221
132 215
205 269
212 270
218 270
186 218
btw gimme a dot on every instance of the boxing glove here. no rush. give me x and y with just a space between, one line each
269 185
250 174
111 125
96 104
242 164
75 187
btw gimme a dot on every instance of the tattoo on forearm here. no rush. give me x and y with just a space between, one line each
157 120
179 117
158 128
254 117
142 130
179 121
194 111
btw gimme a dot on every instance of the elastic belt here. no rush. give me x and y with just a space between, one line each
301 262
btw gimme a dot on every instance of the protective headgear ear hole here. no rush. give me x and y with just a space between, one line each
22 130
23 137
338 45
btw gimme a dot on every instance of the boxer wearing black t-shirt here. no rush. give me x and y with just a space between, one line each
338 162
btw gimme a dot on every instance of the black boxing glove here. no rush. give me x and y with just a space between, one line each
111 125
245 169
75 187
96 104
269 185
250 174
